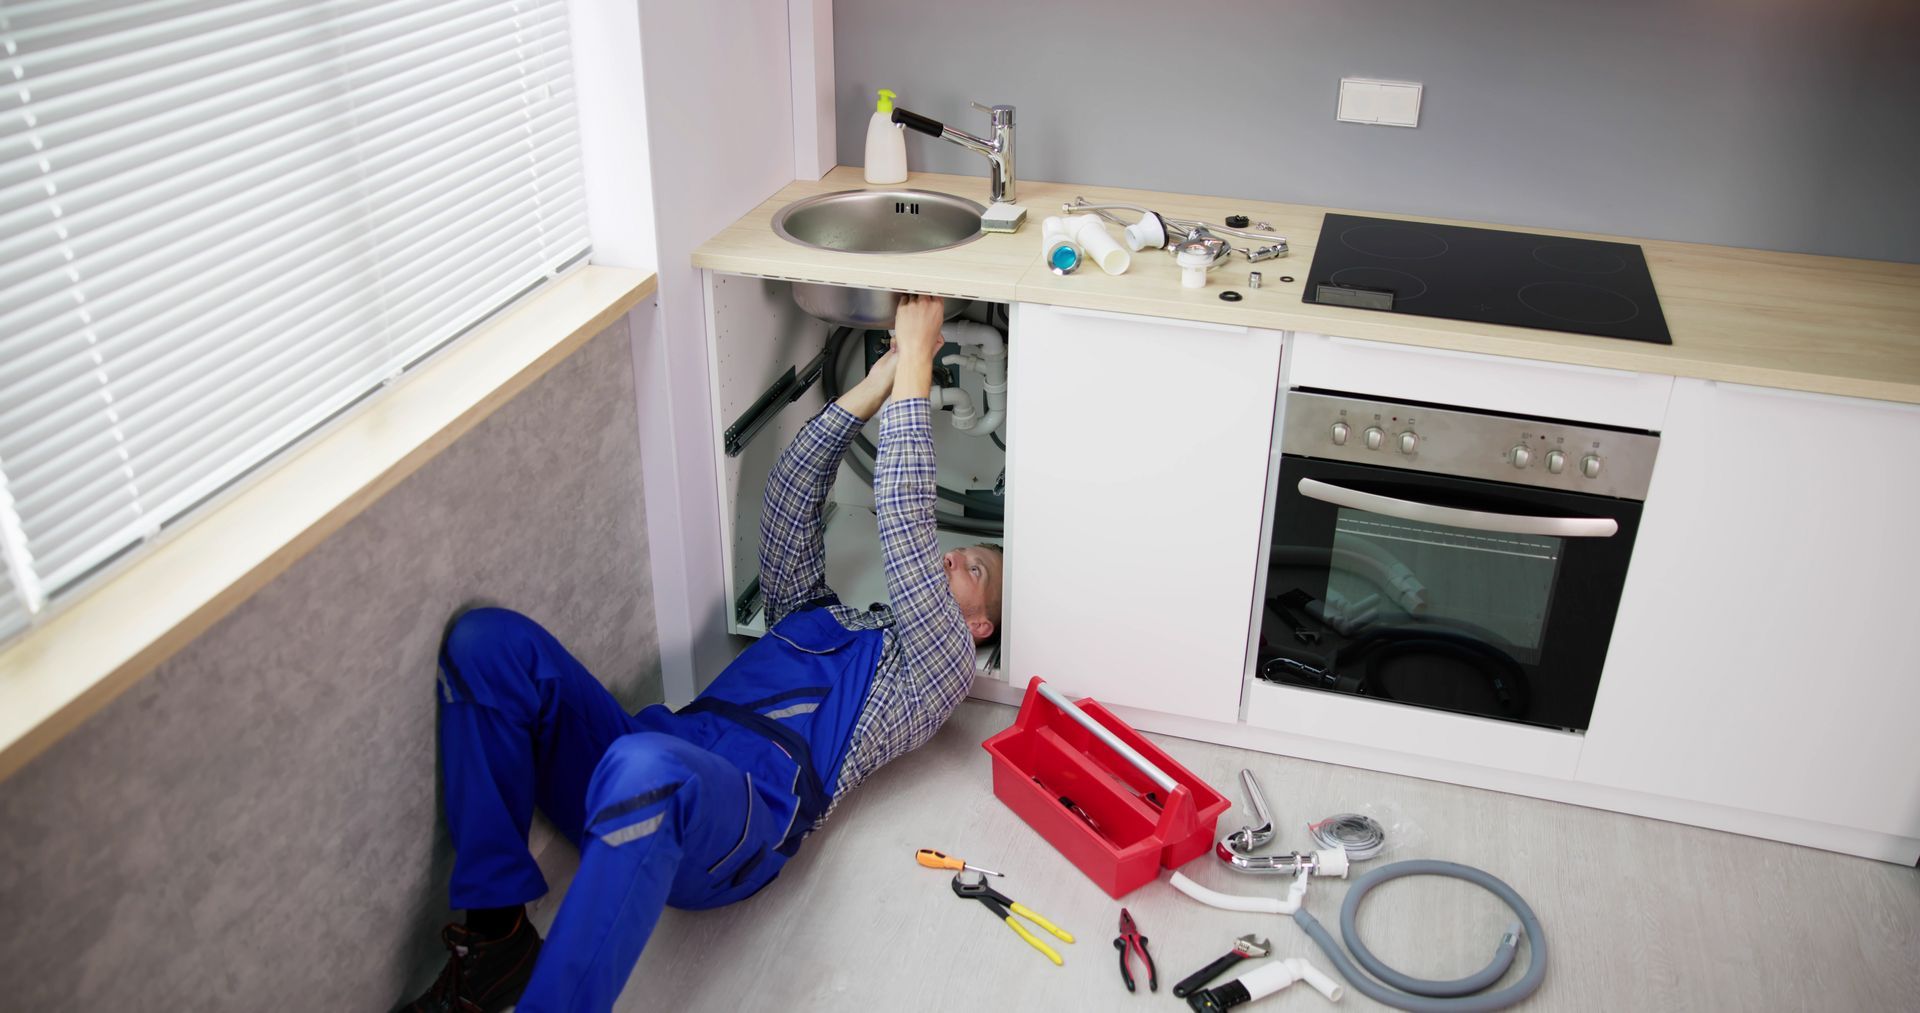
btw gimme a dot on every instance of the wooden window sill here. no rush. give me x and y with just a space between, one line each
60 673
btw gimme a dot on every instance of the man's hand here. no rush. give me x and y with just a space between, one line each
864 398
916 337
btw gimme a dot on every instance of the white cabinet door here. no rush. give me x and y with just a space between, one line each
1767 653
1136 478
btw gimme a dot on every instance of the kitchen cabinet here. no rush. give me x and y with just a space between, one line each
1136 468
1764 657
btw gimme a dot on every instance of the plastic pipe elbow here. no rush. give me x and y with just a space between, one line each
973 332
1092 235
1322 982
1281 973
1242 902
964 416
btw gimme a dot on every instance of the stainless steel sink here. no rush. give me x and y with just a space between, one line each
880 221
874 222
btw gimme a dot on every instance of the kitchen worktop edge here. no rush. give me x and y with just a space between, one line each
1736 315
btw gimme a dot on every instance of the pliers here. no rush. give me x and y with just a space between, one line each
973 885
1130 939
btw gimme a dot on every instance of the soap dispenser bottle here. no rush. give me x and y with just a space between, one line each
886 144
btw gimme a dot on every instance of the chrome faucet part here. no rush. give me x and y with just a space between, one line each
1288 864
1199 240
1259 247
1253 279
998 149
1248 838
1233 849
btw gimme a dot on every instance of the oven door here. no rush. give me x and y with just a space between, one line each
1457 594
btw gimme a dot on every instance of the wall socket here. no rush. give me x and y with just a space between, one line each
1381 103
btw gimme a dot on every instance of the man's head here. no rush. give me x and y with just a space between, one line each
973 574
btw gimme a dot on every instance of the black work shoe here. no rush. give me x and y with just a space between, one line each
482 975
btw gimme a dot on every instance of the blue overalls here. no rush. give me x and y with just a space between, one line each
696 809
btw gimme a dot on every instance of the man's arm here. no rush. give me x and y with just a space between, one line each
793 566
932 633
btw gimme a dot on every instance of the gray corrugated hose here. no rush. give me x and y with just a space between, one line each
1418 994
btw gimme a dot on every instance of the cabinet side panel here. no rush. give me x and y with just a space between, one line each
758 334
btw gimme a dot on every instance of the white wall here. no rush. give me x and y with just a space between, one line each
720 126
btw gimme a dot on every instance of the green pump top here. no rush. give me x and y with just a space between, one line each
885 105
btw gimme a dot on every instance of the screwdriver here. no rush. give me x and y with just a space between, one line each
939 860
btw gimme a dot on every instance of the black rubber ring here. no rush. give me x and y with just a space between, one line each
1286 277
1230 296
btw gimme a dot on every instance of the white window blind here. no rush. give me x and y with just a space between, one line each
223 223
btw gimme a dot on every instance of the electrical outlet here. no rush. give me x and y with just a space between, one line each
1380 103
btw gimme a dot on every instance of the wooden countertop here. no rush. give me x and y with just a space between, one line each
1828 325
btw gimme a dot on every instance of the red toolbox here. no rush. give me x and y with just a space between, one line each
1119 818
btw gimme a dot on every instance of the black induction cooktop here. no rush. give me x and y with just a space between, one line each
1487 275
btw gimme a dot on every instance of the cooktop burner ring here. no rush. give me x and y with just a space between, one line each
1577 303
1394 242
1405 287
1579 257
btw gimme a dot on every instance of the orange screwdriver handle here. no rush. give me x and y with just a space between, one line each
937 860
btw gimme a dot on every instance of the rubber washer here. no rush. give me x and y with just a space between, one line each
1238 221
1230 296
1286 278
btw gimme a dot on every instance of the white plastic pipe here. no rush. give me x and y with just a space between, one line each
1150 232
1194 265
1278 974
961 403
991 363
1092 235
1296 893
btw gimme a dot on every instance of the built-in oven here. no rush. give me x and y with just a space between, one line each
1447 558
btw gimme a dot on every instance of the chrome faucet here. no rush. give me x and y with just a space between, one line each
999 151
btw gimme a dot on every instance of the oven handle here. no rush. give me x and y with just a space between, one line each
1478 520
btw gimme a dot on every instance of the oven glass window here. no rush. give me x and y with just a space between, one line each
1489 585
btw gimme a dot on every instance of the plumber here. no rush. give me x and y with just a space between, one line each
701 807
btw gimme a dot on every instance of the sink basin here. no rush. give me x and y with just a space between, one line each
874 222
880 221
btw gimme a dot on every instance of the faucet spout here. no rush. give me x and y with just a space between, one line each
998 149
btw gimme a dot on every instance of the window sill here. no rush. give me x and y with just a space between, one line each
59 674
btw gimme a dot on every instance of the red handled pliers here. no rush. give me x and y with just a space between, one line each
1130 939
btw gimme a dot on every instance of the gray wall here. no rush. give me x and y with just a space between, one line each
256 824
1778 124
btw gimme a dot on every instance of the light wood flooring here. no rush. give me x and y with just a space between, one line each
1639 914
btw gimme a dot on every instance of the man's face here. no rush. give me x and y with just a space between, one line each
973 574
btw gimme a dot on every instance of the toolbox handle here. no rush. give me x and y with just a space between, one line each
1112 741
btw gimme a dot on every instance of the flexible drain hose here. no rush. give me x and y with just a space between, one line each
1418 994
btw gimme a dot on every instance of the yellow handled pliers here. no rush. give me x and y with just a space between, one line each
970 884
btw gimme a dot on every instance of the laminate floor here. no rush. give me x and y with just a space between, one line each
1639 914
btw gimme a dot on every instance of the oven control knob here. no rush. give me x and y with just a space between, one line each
1340 432
1520 457
1590 466
1556 462
1375 437
1409 440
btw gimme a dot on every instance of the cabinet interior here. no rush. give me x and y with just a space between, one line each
765 347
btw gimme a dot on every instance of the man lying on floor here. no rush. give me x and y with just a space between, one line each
701 807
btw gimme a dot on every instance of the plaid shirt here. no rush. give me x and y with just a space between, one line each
927 654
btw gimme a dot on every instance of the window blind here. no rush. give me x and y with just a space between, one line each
223 223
